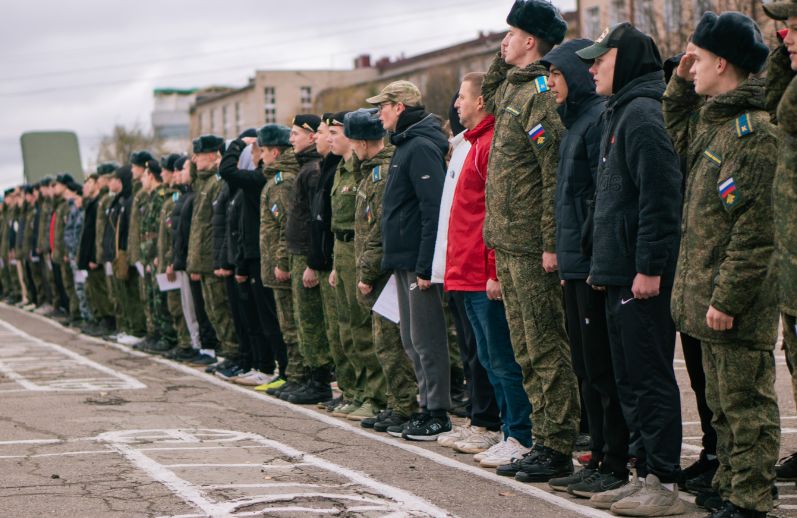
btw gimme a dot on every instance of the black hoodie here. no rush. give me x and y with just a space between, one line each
411 202
579 153
638 191
297 228
319 256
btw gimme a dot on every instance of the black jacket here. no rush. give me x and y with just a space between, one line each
181 216
87 252
251 183
297 228
638 196
218 223
319 255
579 154
235 244
411 202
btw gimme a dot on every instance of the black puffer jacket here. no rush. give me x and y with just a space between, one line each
235 245
319 255
87 252
411 202
250 183
579 154
638 196
181 217
218 222
297 229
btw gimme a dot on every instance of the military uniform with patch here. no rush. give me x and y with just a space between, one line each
724 258
165 251
156 299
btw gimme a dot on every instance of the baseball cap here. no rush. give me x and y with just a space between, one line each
609 39
398 92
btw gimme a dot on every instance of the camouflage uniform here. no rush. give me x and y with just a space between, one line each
165 250
726 247
30 255
274 202
134 255
104 295
59 252
519 225
396 371
200 260
72 229
156 299
354 321
43 240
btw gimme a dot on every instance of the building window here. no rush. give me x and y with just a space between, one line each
306 99
270 104
617 12
238 122
225 123
592 24
201 123
213 120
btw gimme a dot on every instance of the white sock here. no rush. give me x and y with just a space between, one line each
209 352
670 486
711 457
641 479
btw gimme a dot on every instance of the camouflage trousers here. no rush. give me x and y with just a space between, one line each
68 278
37 277
283 299
143 293
175 306
47 273
134 306
740 390
308 308
790 345
214 292
159 309
535 313
125 293
343 370
402 387
83 302
97 295
356 330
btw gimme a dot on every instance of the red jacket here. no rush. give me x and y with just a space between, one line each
469 263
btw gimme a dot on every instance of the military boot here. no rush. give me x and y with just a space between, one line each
316 389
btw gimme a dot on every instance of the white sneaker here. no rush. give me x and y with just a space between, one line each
253 379
480 439
458 433
29 307
512 450
490 451
126 339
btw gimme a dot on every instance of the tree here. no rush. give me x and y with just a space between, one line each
123 140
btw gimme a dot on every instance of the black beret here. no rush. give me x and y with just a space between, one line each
327 118
307 121
363 125
274 135
140 158
337 119
28 189
107 168
64 178
75 187
47 180
208 144
180 163
93 176
8 191
167 162
155 168
249 133
539 18
732 36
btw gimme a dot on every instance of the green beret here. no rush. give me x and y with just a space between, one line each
208 144
363 125
539 18
309 122
140 158
274 135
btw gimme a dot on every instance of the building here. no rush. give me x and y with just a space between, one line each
170 117
271 96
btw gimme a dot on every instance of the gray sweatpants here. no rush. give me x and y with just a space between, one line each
425 340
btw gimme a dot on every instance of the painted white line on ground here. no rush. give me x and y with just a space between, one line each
66 453
261 466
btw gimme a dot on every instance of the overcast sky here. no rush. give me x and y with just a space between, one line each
88 65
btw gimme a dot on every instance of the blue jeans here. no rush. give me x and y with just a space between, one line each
494 348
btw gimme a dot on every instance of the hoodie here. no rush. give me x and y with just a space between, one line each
579 154
411 203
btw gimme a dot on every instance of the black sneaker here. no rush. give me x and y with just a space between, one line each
288 386
701 483
330 405
201 359
228 372
583 442
416 420
548 464
313 392
786 470
514 467
226 364
369 422
562 483
395 421
159 347
596 483
711 500
181 354
429 430
700 466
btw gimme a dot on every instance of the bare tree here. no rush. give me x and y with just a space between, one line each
124 140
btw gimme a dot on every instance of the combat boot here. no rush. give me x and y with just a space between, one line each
313 392
786 470
548 464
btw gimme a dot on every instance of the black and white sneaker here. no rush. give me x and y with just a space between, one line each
428 430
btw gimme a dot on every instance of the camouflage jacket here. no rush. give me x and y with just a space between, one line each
103 207
72 229
4 212
368 221
61 213
165 236
150 221
31 228
134 229
46 212
782 94
726 228
343 197
521 182
274 201
200 241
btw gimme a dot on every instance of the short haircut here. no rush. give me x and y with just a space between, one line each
543 47
476 79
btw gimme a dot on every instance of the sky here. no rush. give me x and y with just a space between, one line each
88 65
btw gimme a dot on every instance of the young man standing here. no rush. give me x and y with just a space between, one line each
721 294
635 242
411 207
519 225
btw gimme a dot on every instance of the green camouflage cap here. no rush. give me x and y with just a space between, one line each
609 39
781 10
402 92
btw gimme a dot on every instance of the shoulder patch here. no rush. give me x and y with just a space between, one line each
513 111
175 196
278 178
275 210
537 135
729 193
743 126
541 84
218 176
376 174
712 157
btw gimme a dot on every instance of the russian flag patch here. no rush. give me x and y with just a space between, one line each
537 135
728 193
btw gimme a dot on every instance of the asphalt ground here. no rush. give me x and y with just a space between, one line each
94 429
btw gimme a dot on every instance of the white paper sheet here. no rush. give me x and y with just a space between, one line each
108 269
165 284
80 276
387 303
140 268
